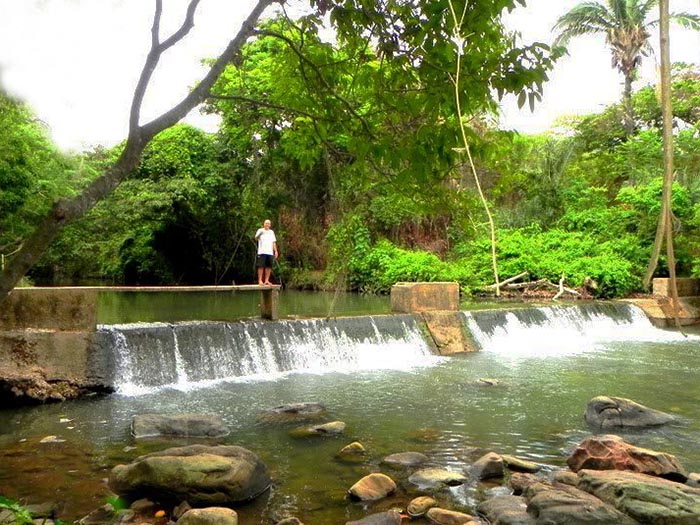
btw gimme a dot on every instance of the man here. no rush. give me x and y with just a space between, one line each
267 249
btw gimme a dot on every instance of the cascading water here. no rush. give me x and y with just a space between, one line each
184 355
562 330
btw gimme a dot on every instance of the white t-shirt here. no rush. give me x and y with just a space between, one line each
265 240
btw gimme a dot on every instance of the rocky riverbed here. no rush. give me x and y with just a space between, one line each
609 480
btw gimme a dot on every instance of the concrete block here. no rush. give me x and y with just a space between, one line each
686 287
67 309
449 332
424 297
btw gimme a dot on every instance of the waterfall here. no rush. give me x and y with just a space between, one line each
192 354
562 330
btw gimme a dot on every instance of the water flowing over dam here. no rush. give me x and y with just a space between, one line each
195 354
184 355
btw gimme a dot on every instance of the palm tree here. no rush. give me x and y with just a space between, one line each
626 26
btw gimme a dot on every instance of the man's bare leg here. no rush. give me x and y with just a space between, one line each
260 276
268 273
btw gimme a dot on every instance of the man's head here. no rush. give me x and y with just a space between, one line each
267 224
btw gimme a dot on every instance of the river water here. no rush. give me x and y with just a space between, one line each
548 362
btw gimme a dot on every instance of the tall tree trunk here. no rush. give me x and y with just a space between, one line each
665 226
627 104
64 212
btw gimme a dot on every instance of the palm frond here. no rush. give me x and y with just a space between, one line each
687 20
584 19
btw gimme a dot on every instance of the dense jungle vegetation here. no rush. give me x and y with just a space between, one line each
362 199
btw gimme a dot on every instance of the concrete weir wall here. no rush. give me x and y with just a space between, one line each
659 308
46 344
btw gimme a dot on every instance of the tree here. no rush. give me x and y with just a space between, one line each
65 211
665 225
626 26
411 42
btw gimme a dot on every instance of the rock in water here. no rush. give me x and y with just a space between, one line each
188 425
334 428
199 474
647 499
614 412
405 459
355 452
612 453
419 506
390 517
373 487
293 412
209 516
436 478
488 466
449 517
508 510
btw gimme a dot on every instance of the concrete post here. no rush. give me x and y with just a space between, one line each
269 301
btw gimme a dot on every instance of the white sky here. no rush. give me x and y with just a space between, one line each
76 62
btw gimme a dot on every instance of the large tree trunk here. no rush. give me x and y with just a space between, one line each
665 227
64 212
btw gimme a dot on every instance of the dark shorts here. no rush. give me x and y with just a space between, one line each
264 261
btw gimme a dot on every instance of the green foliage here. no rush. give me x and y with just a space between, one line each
22 515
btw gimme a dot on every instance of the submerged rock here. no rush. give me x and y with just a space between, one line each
186 425
293 413
209 516
612 453
372 487
647 499
334 428
290 521
614 412
432 478
390 517
199 474
405 459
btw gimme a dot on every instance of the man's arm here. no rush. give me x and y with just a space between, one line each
274 249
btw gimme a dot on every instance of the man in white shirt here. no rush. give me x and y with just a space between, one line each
267 252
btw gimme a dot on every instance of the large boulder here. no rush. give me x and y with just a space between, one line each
373 487
566 505
612 453
647 499
605 412
187 425
293 413
202 475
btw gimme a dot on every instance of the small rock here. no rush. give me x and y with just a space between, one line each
486 381
431 478
520 481
333 428
449 517
373 487
519 465
143 506
693 480
52 439
419 506
488 466
42 510
209 516
290 521
355 452
100 516
405 459
181 509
